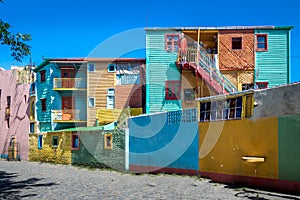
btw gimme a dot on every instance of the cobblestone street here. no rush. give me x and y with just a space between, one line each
31 180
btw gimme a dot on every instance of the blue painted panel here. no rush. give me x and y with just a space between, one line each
164 140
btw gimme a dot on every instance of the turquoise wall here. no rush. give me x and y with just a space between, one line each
273 66
289 147
160 67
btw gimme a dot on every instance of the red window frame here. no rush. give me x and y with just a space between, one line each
73 146
43 75
233 43
44 106
170 91
265 42
172 42
262 83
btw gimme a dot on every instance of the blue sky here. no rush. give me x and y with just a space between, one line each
68 28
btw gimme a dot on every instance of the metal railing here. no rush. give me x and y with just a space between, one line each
69 83
65 115
208 64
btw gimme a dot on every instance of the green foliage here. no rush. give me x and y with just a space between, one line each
16 42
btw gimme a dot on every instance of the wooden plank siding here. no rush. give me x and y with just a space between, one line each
160 67
273 66
98 84
128 96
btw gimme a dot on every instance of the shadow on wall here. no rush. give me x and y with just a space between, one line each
12 189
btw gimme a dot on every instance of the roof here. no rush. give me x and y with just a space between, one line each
83 60
222 28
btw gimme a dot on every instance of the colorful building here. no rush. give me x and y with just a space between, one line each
252 138
216 60
14 117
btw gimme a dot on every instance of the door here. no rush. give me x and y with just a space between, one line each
67 108
68 77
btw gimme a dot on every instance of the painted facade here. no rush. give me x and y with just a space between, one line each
14 117
114 84
221 59
60 94
165 142
255 148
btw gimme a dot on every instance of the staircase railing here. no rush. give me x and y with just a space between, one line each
209 66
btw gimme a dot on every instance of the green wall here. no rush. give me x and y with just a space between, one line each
289 147
160 67
273 66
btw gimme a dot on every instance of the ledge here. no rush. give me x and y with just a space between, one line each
253 159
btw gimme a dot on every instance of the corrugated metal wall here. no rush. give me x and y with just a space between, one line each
160 67
273 65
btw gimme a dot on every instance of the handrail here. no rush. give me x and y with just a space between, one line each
69 83
209 66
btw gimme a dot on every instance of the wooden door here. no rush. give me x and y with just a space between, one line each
67 108
68 77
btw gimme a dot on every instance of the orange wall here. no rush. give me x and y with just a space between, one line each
223 144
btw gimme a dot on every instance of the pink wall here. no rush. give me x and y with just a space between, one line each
19 113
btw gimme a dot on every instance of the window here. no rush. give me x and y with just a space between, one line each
108 141
111 68
189 95
54 141
25 98
91 67
91 101
128 73
221 110
262 42
236 43
40 141
8 101
7 123
75 141
31 127
44 107
172 90
172 42
247 86
261 85
32 88
43 75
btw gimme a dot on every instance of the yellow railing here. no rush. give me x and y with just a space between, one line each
106 116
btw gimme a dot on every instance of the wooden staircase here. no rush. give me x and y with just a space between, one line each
204 67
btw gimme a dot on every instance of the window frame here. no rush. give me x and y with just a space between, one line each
94 100
189 95
94 67
106 146
173 35
232 43
73 147
43 104
40 141
55 137
43 75
174 96
265 42
111 65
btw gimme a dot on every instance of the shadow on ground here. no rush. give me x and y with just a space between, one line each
247 193
12 189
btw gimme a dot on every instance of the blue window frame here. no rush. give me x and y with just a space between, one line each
91 67
111 67
40 141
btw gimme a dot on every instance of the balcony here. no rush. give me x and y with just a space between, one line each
66 116
7 113
69 84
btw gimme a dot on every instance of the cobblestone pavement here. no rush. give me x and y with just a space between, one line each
32 180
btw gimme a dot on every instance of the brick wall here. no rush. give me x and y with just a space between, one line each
236 59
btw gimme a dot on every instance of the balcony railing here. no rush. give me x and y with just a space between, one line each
69 83
66 115
7 113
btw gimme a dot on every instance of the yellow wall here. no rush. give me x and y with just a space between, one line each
224 143
60 154
106 116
